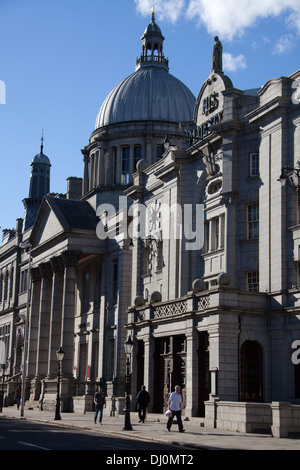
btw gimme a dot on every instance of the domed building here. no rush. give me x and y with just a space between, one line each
180 237
135 118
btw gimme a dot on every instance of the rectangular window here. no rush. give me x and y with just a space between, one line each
253 281
5 336
137 156
125 175
23 281
86 297
253 221
254 164
217 233
98 287
206 238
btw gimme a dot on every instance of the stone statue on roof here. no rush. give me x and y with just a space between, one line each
217 65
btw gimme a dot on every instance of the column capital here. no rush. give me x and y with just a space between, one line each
35 275
57 264
70 258
45 270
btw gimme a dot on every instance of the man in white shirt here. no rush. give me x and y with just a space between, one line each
175 405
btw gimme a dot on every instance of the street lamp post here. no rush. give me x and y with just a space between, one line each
128 346
292 174
26 328
59 356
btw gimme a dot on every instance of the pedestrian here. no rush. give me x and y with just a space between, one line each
18 396
175 406
143 400
99 400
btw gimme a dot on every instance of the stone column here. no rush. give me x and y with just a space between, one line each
56 313
101 167
70 260
33 322
86 173
191 372
149 345
43 329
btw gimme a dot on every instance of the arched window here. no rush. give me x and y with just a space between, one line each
251 371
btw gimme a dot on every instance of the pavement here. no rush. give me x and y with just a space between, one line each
154 429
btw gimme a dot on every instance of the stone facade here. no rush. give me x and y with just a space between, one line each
182 238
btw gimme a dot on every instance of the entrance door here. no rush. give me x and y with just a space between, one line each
251 371
83 362
169 369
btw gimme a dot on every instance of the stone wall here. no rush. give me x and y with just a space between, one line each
277 418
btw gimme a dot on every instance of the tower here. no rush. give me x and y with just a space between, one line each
152 47
39 186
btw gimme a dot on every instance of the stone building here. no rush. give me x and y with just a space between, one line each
181 237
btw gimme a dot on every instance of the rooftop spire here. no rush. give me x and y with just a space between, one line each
152 47
42 141
152 14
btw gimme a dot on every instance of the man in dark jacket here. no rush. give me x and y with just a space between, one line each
143 400
99 400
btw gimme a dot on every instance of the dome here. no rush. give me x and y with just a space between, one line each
152 28
41 158
150 93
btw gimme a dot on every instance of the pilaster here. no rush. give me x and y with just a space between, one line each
70 260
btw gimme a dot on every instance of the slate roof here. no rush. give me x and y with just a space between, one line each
73 213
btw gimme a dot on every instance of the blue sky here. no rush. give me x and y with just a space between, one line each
60 58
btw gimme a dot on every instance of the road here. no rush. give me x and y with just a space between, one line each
26 435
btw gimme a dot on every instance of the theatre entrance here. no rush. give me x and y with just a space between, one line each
169 369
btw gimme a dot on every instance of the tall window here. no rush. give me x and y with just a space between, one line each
23 281
253 281
125 172
11 282
98 287
253 221
137 156
114 153
214 234
86 288
254 164
4 336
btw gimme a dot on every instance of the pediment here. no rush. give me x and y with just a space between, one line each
47 225
59 215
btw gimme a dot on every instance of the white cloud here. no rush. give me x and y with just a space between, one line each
231 63
164 9
226 18
230 18
284 44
